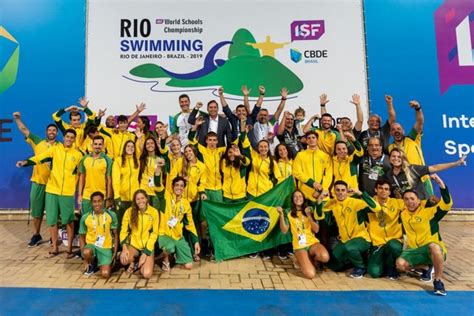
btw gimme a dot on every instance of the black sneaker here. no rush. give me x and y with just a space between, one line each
253 255
283 255
90 270
427 275
439 288
35 241
392 274
357 273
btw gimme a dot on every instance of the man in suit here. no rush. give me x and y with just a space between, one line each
212 123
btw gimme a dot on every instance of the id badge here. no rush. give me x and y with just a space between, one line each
373 174
301 239
172 222
99 242
151 182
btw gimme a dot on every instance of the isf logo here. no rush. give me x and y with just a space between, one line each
307 30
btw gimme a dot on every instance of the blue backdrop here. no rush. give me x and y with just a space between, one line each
51 74
402 61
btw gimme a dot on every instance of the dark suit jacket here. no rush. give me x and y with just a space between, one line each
224 134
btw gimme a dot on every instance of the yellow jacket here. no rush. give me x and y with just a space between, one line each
64 175
327 140
411 146
196 177
350 216
124 178
260 179
286 168
147 182
234 186
144 236
118 142
181 210
211 159
63 126
385 225
422 225
312 166
41 172
93 225
347 169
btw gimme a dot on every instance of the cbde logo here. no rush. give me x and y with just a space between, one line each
9 59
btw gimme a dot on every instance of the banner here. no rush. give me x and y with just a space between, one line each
424 51
154 51
243 228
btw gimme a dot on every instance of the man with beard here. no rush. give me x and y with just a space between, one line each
375 129
260 119
411 144
288 134
95 175
373 166
40 175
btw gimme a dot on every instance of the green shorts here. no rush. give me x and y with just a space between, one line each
418 256
180 247
103 255
37 199
59 204
86 206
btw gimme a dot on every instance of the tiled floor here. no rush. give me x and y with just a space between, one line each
24 267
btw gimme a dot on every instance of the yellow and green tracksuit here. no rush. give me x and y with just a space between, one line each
385 230
309 166
286 168
118 142
147 181
351 217
196 177
124 178
142 237
211 159
63 177
234 186
170 160
301 226
63 126
96 171
107 149
261 179
327 140
39 176
347 169
422 225
411 146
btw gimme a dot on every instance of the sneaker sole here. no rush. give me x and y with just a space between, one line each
356 276
33 246
440 293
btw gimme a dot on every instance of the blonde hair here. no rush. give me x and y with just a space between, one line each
405 166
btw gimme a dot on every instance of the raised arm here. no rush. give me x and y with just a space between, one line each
420 119
391 110
139 109
245 93
323 100
314 225
194 113
360 115
282 124
307 127
281 106
448 165
21 126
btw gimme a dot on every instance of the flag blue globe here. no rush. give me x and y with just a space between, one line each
256 221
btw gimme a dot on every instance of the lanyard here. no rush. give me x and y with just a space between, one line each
94 221
174 207
298 225
376 161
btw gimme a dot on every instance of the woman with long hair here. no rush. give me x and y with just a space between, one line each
146 173
284 158
139 234
403 176
307 248
264 173
233 167
125 178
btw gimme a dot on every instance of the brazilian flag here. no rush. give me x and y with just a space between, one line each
247 227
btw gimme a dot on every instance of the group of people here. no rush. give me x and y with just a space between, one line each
140 192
